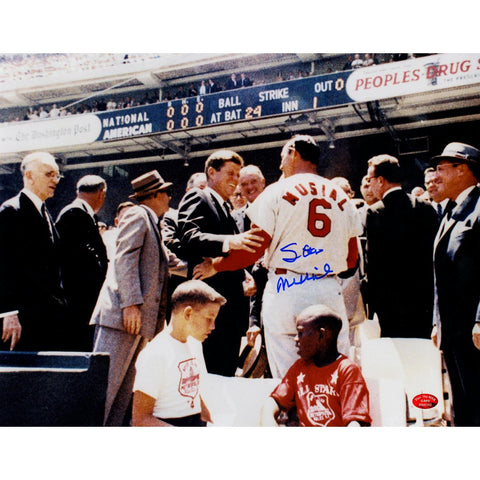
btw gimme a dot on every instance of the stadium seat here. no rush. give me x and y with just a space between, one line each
236 401
52 388
416 364
387 402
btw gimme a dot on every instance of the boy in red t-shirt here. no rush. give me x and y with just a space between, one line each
326 387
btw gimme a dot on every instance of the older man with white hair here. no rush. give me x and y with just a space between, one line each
32 304
251 183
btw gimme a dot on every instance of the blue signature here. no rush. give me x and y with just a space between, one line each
306 252
284 283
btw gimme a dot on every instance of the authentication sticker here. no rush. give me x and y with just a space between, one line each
425 400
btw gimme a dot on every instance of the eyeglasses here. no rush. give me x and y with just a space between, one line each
53 175
444 166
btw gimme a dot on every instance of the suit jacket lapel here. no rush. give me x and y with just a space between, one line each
54 230
36 216
157 232
154 225
223 216
216 207
457 216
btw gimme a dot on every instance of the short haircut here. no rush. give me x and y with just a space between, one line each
322 316
218 159
417 191
123 205
307 148
251 170
195 292
91 183
344 184
387 167
364 180
34 159
194 178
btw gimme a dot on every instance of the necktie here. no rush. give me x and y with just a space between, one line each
447 214
46 217
449 208
228 208
439 211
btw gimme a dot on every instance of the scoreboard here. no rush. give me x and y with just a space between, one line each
240 104
429 74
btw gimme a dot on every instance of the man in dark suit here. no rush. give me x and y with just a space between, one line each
232 82
251 184
456 320
212 86
83 257
171 236
32 303
400 231
435 194
208 230
169 223
245 81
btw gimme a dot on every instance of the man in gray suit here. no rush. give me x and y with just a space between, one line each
131 306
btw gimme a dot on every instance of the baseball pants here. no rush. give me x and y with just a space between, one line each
280 308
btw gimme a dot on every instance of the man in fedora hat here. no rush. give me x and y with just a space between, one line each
456 328
130 309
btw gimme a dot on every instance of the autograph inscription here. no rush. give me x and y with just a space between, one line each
284 283
293 255
306 252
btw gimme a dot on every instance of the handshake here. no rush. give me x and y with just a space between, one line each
248 241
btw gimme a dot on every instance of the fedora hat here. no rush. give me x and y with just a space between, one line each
458 152
148 183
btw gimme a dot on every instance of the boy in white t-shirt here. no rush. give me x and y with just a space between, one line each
170 368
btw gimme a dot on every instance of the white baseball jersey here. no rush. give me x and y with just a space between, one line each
310 220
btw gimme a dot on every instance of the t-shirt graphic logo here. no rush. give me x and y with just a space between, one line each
189 379
319 411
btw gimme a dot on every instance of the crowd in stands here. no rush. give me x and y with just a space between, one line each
369 59
20 66
24 66
95 106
